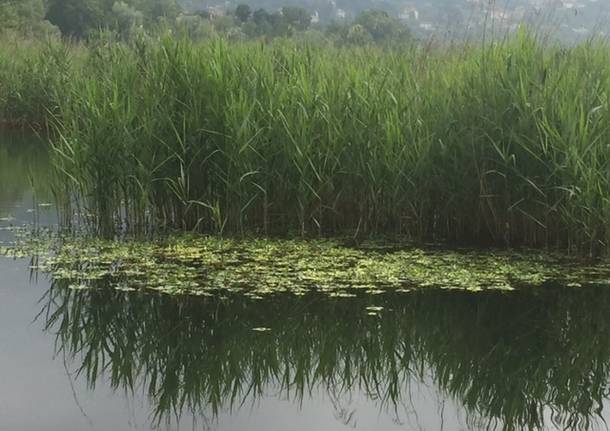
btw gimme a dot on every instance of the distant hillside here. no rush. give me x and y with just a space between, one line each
571 19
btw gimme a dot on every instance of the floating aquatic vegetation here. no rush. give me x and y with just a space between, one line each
258 267
27 242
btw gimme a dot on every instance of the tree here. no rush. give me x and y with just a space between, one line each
76 18
358 35
250 29
23 16
158 10
261 16
336 31
243 12
195 26
223 24
168 9
297 17
259 25
279 25
382 26
127 19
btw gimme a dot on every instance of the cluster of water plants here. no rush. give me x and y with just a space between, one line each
208 266
501 143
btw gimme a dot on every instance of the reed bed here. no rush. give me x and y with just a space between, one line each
33 76
503 143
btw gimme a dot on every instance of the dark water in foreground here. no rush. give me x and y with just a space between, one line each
107 360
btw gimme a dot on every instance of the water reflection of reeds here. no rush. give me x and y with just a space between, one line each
24 168
512 360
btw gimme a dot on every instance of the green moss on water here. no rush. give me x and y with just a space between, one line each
205 266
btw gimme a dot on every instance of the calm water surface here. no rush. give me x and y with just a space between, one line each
106 360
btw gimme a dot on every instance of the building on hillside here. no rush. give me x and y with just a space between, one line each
409 12
216 11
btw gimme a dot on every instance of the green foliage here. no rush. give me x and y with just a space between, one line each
158 10
82 18
127 19
224 24
261 16
130 19
297 17
279 26
382 27
76 18
196 27
32 75
501 143
243 12
24 17
358 35
372 26
288 22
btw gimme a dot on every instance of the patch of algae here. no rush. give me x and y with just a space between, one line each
206 265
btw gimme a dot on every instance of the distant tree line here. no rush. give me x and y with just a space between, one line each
124 19
26 17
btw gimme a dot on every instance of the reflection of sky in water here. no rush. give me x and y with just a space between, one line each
24 183
36 393
40 391
31 377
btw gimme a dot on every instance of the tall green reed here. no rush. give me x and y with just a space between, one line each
499 143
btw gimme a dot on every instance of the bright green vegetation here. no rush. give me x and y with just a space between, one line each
210 266
513 360
503 144
33 76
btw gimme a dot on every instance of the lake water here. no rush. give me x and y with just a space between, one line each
429 360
